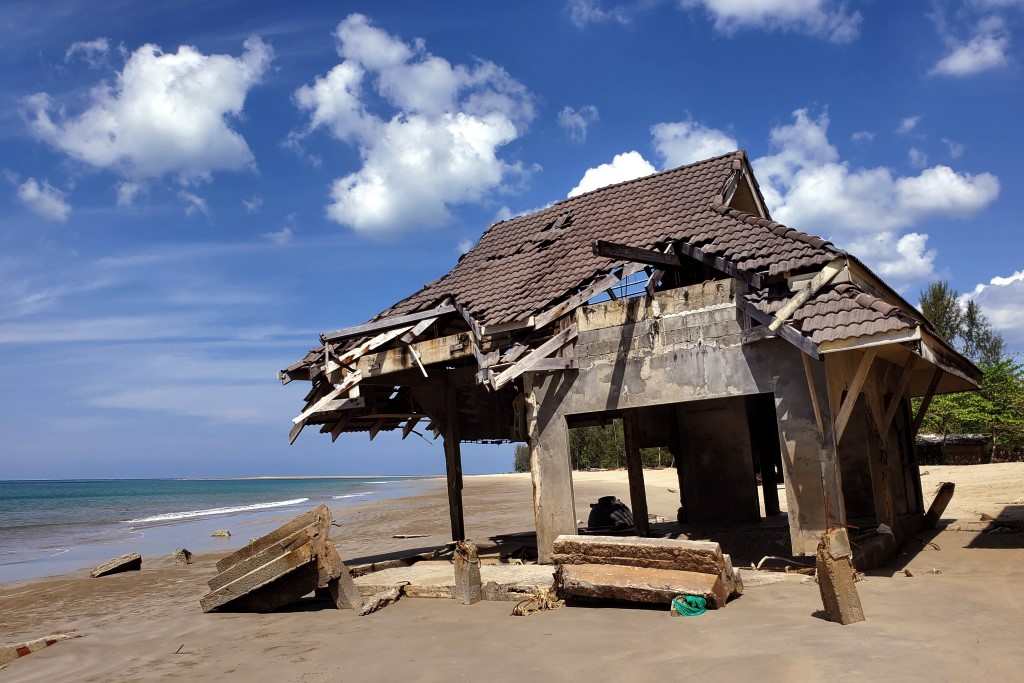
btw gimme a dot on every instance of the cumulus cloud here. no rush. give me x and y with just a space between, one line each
576 121
584 12
821 18
911 260
166 113
685 142
623 167
44 199
436 148
1002 300
92 52
985 49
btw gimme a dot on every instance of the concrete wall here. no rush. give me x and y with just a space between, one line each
692 352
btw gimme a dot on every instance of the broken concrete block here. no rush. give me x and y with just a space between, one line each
635 551
638 584
221 533
468 588
836 577
124 563
183 556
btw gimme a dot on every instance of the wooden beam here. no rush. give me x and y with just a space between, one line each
553 365
621 252
585 295
386 323
409 426
429 351
718 263
540 353
346 384
635 470
453 462
815 402
418 329
824 276
853 392
926 401
339 426
787 332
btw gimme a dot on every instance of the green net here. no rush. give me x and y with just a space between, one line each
689 605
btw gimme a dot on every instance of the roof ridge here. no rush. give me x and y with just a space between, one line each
776 227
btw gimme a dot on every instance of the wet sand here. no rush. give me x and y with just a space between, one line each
961 624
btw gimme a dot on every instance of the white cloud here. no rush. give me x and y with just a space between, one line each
908 124
253 204
576 121
917 158
127 191
438 148
281 237
165 113
193 203
862 136
465 245
625 166
821 18
1002 300
685 142
985 49
911 260
44 199
956 150
93 52
584 12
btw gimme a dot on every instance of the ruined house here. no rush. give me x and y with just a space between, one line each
752 351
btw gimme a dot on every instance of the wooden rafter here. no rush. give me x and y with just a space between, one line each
815 401
926 401
386 323
860 376
824 276
621 252
787 331
585 295
718 263
541 352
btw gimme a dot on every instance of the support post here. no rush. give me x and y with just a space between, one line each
635 468
926 401
453 462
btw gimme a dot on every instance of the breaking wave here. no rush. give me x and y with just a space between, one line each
351 495
188 514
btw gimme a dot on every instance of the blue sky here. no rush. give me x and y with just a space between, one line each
191 192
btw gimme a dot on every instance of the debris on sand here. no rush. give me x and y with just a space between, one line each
545 599
382 599
221 533
125 563
8 653
183 556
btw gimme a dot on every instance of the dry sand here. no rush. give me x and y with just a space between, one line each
964 623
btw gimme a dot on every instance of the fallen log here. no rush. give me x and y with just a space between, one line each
638 584
125 563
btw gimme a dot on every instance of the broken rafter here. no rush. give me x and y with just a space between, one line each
621 252
618 274
718 263
350 381
409 426
787 332
824 276
386 323
541 352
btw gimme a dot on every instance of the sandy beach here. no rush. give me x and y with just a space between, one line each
961 622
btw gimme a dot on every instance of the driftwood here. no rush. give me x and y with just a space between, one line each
382 599
124 563
279 568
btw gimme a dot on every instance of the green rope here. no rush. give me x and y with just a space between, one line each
689 605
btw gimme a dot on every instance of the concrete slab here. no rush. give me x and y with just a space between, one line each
436 579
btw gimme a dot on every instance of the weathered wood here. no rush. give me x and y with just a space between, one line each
430 351
926 401
231 573
261 576
418 329
853 391
635 470
622 252
815 401
787 332
543 351
638 584
387 323
942 497
553 365
341 588
125 563
824 276
317 515
718 263
350 381
585 295
898 394
468 588
453 463
836 577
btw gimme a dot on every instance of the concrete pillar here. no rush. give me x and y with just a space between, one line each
814 490
554 509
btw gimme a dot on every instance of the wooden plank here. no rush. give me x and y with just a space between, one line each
543 351
815 401
836 577
718 263
387 323
320 515
350 381
853 391
418 329
635 470
338 404
431 351
306 534
409 426
582 297
553 365
926 401
259 577
621 252
453 462
824 276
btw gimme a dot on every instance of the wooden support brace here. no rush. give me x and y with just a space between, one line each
815 401
926 401
409 426
860 376
787 332
585 295
543 351
387 323
718 263
827 273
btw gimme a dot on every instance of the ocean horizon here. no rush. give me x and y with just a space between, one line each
54 526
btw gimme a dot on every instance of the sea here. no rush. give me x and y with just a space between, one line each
54 527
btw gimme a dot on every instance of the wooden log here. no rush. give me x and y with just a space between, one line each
836 577
262 576
319 514
125 563
468 588
939 503
638 584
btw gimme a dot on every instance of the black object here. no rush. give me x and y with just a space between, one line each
609 513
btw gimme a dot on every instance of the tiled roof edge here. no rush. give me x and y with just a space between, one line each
777 228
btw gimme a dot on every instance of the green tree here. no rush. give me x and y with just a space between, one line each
979 341
522 458
939 304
